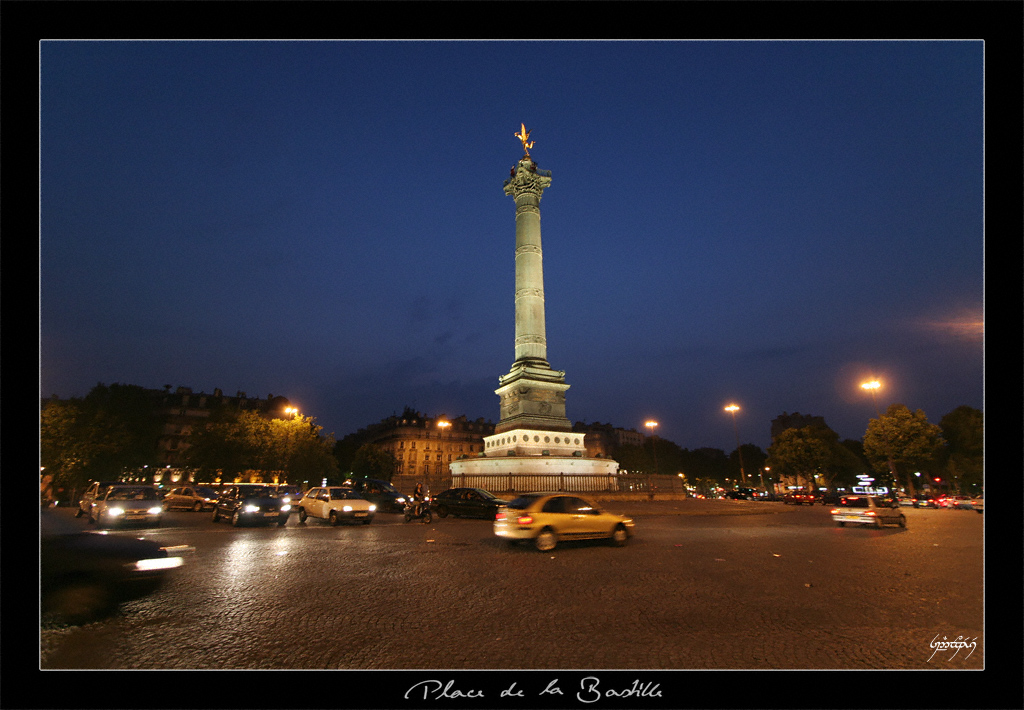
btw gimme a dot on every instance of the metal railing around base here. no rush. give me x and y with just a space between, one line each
569 482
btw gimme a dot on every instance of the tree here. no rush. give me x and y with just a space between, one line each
802 453
305 453
964 457
753 463
634 459
288 449
373 462
125 427
101 436
221 446
906 438
62 451
850 463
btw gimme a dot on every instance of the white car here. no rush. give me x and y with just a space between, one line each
868 510
123 504
335 504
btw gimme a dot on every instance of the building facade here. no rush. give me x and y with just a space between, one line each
425 446
604 440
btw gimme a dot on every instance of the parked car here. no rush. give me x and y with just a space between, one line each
978 504
467 502
335 504
95 491
123 504
799 498
194 498
385 496
83 576
246 504
868 510
548 518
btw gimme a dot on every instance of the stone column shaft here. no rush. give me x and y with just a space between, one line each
526 186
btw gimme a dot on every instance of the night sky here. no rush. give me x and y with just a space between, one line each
765 223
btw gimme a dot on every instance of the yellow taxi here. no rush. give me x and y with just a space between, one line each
549 518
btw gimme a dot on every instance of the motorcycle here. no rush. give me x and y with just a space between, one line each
418 510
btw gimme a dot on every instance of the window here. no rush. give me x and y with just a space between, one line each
555 505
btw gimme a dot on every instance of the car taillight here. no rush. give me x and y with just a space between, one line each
834 511
499 516
871 512
524 520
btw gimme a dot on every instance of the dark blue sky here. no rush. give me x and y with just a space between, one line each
760 222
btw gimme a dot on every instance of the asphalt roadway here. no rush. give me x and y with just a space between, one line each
703 585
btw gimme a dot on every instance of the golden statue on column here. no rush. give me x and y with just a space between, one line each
524 136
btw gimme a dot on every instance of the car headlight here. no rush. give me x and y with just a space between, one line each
347 508
115 511
373 508
155 510
285 508
158 563
250 508
400 500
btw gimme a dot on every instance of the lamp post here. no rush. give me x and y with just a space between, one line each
872 386
732 409
291 413
442 425
651 424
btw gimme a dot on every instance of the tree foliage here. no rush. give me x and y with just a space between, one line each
802 453
373 462
291 449
964 459
110 430
907 439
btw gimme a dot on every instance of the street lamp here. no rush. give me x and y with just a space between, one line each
442 425
872 386
732 409
291 411
650 424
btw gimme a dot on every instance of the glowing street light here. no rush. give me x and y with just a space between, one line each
732 409
443 424
873 386
651 425
291 411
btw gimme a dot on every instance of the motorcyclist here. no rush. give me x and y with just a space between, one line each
418 496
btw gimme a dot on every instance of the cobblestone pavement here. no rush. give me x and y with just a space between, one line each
733 585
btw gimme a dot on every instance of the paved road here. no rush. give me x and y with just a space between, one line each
737 586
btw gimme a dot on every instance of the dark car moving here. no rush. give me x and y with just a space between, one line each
83 576
468 502
383 494
250 505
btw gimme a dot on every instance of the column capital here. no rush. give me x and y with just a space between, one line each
526 179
